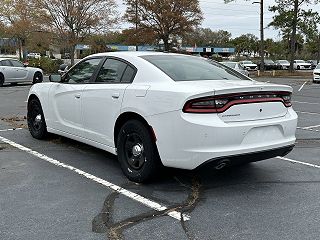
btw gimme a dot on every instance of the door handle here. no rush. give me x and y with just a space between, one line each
115 95
77 96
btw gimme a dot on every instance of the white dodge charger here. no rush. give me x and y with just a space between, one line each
154 109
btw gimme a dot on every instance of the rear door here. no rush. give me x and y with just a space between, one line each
102 100
7 70
66 97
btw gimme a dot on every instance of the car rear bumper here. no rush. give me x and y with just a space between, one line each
221 162
190 140
316 77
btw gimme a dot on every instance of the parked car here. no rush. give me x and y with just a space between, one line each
63 68
313 63
316 74
154 109
283 64
13 71
301 64
249 65
268 65
34 55
236 66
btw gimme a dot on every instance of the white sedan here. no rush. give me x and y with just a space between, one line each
316 74
301 65
13 71
154 109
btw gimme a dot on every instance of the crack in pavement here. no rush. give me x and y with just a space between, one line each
104 223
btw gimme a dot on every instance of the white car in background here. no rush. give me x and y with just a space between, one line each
34 55
283 64
13 71
236 66
249 65
316 74
154 109
301 65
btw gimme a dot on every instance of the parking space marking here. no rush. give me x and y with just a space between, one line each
311 113
136 197
315 126
302 86
308 129
295 161
306 103
10 129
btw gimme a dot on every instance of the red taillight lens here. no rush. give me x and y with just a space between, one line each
219 104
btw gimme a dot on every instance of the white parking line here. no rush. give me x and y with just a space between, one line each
308 129
311 113
306 103
10 129
295 161
315 126
302 86
147 202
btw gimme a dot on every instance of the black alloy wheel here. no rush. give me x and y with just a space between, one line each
37 77
137 152
36 121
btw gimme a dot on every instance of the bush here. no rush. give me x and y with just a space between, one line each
46 64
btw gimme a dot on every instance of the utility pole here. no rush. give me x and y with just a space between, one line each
137 47
261 51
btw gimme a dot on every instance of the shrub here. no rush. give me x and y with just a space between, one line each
46 64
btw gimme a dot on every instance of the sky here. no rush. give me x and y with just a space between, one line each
239 17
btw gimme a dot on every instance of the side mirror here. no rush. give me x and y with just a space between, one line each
55 78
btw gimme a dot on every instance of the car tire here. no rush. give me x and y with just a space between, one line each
298 67
137 152
37 77
1 79
36 121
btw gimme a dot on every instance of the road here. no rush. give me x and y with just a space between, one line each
44 195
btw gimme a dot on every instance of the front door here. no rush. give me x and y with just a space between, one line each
67 97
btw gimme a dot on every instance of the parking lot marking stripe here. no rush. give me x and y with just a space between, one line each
302 86
315 126
306 103
10 129
147 202
295 161
311 130
312 113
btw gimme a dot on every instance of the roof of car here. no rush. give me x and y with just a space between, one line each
132 54
7 59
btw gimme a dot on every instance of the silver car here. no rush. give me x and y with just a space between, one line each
236 66
13 71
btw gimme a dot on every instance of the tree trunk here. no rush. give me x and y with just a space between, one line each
318 50
72 51
261 38
293 39
166 45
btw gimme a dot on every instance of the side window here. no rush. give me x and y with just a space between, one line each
16 63
111 71
128 75
6 63
82 72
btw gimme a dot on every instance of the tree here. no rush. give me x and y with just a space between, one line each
165 18
292 19
207 37
20 16
246 44
73 20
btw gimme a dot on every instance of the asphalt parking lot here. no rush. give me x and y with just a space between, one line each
62 189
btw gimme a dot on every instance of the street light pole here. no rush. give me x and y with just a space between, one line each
261 52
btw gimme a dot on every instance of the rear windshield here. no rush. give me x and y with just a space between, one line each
188 68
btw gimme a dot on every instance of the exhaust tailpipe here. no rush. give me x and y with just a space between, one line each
222 164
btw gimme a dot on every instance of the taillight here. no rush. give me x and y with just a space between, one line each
287 100
221 103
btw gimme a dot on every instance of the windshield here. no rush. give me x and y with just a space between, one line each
318 66
284 61
229 64
187 68
247 62
268 61
300 61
